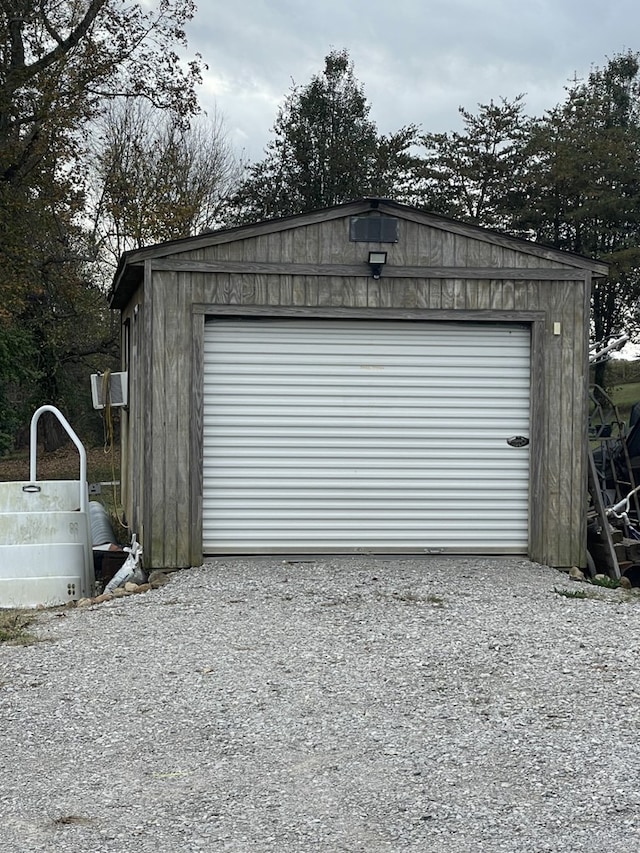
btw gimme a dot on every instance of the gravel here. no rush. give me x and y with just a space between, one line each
348 704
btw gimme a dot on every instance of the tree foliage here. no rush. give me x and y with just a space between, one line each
584 184
100 152
570 179
61 61
17 365
477 174
325 149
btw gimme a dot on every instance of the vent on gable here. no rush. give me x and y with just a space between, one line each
374 229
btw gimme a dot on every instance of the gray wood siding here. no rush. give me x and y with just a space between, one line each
162 441
557 444
328 243
564 479
132 417
168 437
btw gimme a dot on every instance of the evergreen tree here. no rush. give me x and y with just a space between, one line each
583 188
325 150
570 180
477 174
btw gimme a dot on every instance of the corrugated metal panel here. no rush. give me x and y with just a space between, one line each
339 436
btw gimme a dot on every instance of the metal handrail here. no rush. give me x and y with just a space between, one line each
600 350
33 451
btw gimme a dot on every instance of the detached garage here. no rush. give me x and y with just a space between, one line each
366 378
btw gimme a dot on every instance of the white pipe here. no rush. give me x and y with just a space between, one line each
617 509
33 451
595 354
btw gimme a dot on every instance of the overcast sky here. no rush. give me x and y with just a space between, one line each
418 60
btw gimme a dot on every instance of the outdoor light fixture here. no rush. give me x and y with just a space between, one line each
376 261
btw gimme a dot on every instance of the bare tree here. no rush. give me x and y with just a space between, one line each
156 179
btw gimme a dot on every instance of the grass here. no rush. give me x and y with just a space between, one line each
605 581
571 593
625 396
14 625
622 383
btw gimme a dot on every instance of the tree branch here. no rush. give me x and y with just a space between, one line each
65 45
48 25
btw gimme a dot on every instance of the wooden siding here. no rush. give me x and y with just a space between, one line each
563 492
167 516
328 243
322 238
361 270
172 443
314 270
132 417
311 292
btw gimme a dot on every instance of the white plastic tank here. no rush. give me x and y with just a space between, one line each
45 541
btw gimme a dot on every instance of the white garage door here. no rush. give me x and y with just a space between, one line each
342 436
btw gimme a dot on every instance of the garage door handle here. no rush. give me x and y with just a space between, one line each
518 441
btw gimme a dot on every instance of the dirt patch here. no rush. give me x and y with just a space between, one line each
63 464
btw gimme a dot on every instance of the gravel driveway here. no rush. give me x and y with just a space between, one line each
361 704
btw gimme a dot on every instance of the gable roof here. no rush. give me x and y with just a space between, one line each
130 268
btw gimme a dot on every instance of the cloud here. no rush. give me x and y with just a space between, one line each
418 60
